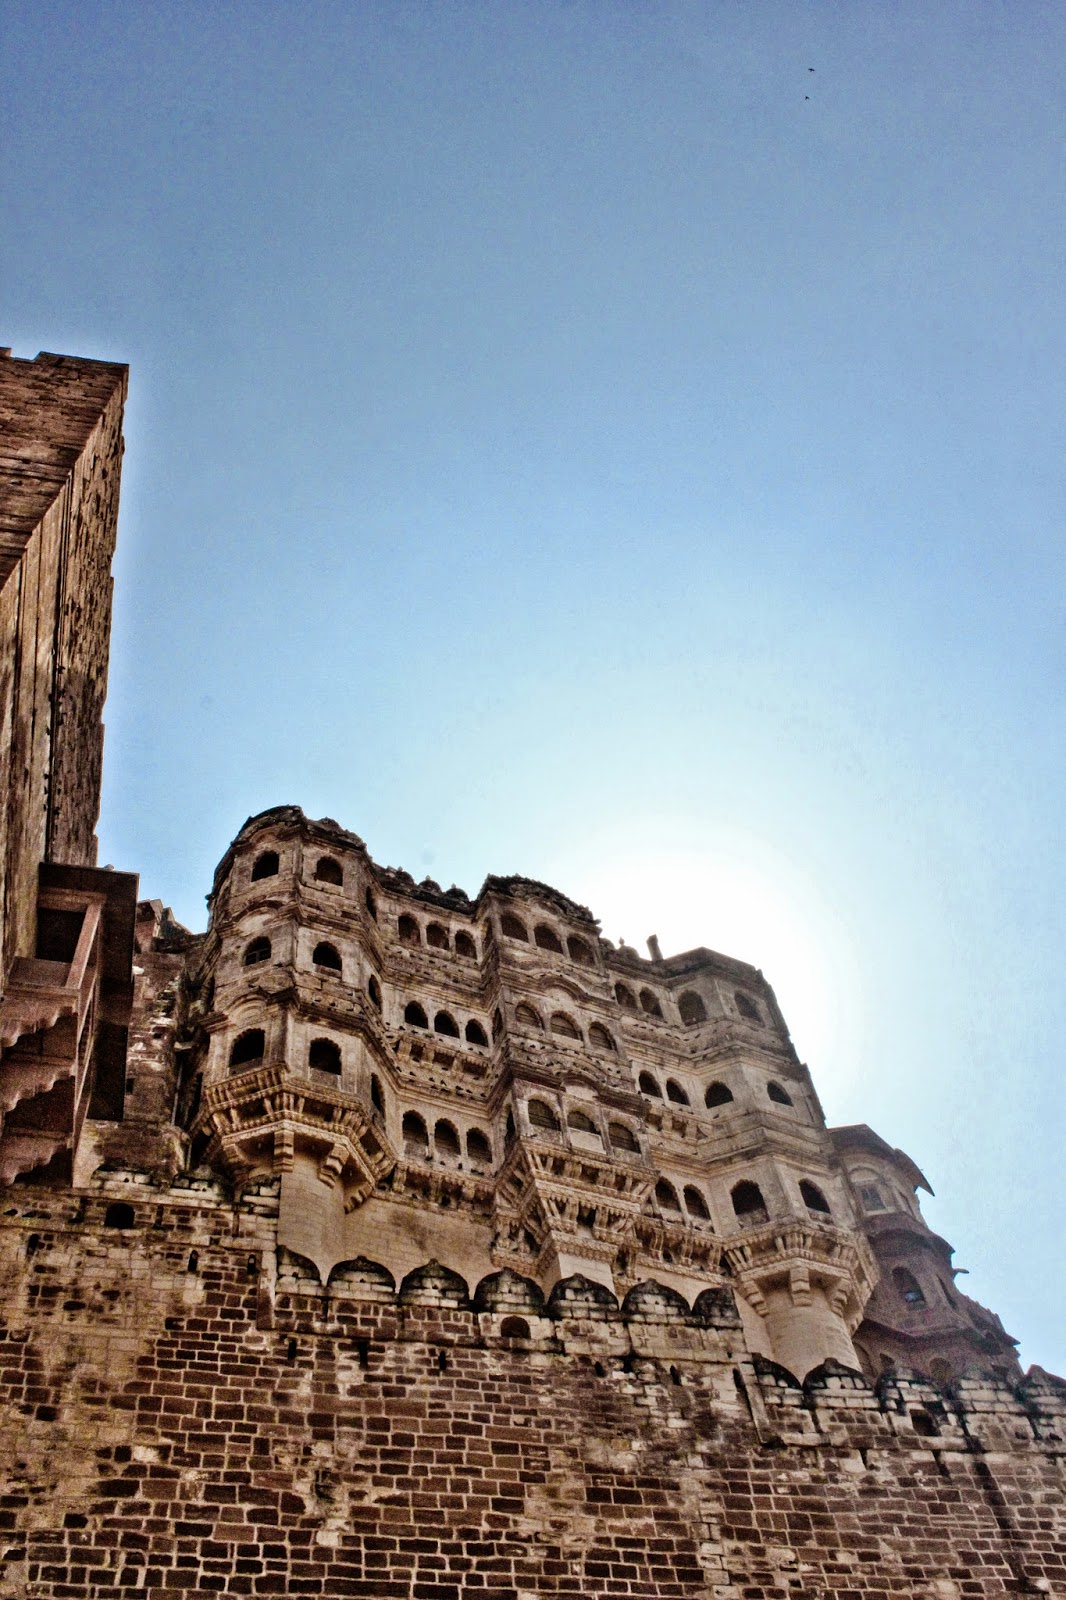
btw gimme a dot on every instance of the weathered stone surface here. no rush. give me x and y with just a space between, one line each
66 930
162 1436
60 461
428 1246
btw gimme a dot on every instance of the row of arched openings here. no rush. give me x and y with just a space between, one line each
716 1094
749 1205
546 938
327 870
649 1085
437 937
545 1119
445 1142
564 1027
667 1200
444 1023
324 955
268 864
690 1005
323 1055
647 1001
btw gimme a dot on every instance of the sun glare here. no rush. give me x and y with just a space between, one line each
736 895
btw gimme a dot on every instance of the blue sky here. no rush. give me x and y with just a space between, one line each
581 440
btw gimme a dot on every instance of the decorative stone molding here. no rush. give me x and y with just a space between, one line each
261 1117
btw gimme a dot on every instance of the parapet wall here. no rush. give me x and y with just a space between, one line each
190 1411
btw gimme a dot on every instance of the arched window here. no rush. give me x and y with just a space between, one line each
478 1148
497 1023
527 1016
718 1094
779 1096
623 1138
371 904
413 1014
377 1099
813 1198
415 1136
692 1008
869 1192
580 952
329 871
580 1122
475 1033
695 1204
512 928
265 866
541 1115
599 1038
666 1196
327 955
324 1056
509 1132
649 1004
748 1202
373 989
465 946
444 1023
409 931
907 1286
625 997
119 1215
437 937
446 1139
248 1046
747 1007
564 1026
545 939
258 950
675 1093
514 1328
648 1085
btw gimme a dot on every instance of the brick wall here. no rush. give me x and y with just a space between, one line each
188 1411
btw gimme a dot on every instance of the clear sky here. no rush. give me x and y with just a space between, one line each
618 443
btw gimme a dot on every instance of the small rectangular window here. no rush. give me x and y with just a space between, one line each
871 1197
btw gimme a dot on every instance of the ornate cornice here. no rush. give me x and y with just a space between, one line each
263 1116
803 1254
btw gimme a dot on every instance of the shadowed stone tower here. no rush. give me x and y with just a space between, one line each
66 929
